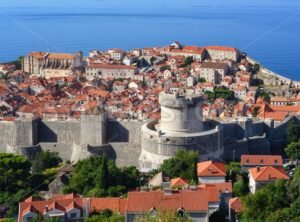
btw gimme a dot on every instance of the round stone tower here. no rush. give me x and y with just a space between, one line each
180 112
180 127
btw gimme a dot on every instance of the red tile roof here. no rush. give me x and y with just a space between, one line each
222 187
236 204
211 169
114 204
258 160
222 48
178 182
108 66
61 56
268 173
212 192
41 55
289 109
189 200
277 116
39 207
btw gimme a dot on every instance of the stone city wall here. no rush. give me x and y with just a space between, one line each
26 136
7 135
59 131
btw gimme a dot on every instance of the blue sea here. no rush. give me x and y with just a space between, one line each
267 30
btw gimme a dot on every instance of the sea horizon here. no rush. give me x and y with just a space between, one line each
103 25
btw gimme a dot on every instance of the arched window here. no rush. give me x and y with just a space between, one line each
153 212
180 212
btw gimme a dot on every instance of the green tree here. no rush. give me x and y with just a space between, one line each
281 215
220 93
240 188
103 174
165 216
201 79
255 68
293 150
224 93
16 182
293 131
188 60
116 191
19 62
44 160
183 165
266 96
164 68
265 201
14 172
98 176
278 201
9 220
43 219
233 169
105 216
255 111
293 187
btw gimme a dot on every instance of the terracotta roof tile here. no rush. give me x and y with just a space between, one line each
221 48
189 200
211 168
266 160
39 207
289 109
268 173
223 187
178 182
108 66
112 203
236 204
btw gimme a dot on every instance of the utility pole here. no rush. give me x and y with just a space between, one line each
233 155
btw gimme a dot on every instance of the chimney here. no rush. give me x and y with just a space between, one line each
166 187
46 208
167 191
257 169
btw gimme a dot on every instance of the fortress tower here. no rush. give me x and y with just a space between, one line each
180 113
180 127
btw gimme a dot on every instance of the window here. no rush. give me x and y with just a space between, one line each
275 161
73 215
180 212
153 212
261 161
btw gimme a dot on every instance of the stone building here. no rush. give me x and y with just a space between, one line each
210 172
214 72
116 54
99 70
51 65
136 143
261 176
196 52
182 202
180 127
222 53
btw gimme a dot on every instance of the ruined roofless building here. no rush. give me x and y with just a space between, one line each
180 127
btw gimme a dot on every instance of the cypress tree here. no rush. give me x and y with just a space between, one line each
103 180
